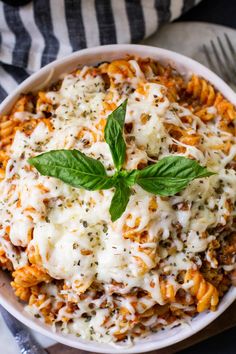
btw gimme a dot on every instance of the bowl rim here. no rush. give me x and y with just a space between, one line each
144 51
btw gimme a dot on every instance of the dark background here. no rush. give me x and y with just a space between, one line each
221 12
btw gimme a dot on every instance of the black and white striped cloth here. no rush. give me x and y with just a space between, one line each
35 34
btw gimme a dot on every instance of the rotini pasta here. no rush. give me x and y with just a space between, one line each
200 89
205 293
5 263
28 276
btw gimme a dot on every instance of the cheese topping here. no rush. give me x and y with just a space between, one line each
71 228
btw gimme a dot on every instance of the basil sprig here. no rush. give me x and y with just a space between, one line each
167 177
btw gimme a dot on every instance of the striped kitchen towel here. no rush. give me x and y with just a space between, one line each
41 31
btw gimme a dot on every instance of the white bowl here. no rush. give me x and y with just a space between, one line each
51 73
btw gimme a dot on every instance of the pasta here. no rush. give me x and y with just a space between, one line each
167 258
5 263
205 293
199 88
28 276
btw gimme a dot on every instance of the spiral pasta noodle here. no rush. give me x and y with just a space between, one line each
206 294
200 89
28 276
5 263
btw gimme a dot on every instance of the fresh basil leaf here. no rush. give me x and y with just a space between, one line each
120 200
114 135
74 168
170 175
